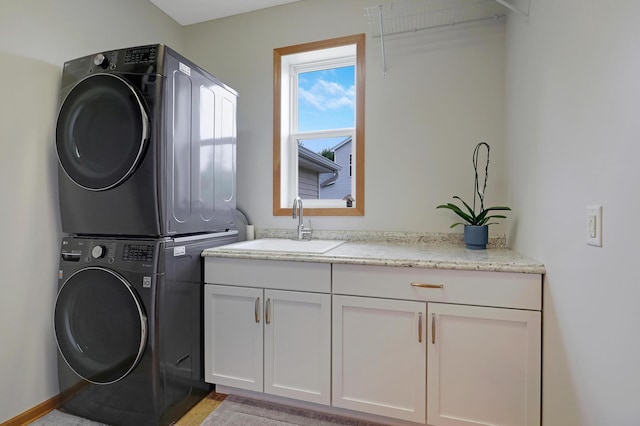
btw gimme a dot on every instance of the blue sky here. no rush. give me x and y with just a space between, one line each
326 100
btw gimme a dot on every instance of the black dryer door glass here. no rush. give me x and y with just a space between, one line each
101 131
100 325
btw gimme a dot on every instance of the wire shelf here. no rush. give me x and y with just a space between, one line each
405 16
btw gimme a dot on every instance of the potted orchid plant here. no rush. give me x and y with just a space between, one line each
476 225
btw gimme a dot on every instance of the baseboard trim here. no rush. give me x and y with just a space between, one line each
35 413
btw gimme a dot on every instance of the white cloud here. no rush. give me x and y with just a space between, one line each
326 95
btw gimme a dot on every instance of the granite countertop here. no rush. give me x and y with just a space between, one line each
434 251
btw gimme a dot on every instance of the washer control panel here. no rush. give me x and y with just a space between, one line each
138 252
100 251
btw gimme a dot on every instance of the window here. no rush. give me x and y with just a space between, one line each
318 141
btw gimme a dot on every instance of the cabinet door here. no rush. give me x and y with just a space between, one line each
233 336
297 347
379 356
483 366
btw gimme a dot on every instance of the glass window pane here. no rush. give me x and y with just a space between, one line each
324 172
326 99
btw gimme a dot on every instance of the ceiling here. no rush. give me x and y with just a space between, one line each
187 12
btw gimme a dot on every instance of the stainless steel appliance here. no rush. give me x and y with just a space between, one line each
128 325
146 142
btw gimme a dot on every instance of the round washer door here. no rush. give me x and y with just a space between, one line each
100 325
101 132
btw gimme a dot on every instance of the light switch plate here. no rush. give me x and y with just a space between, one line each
594 225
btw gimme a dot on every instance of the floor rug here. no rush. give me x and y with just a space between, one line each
233 411
238 411
58 418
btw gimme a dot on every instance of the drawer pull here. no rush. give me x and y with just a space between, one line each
267 319
433 329
420 327
257 309
422 285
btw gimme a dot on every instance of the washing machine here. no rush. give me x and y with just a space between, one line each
128 326
146 143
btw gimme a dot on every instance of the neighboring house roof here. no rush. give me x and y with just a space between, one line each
316 162
341 144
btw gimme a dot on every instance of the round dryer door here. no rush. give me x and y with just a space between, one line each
101 131
100 325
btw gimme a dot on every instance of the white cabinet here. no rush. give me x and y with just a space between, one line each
233 336
265 339
297 345
379 356
428 346
483 366
482 362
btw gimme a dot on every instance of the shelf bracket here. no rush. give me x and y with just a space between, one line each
384 60
511 7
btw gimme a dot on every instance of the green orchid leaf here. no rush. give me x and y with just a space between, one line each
473 214
483 214
495 216
456 210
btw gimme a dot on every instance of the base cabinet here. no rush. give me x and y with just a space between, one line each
426 346
483 366
297 345
272 341
233 339
379 356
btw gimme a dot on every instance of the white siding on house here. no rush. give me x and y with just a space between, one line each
307 184
342 186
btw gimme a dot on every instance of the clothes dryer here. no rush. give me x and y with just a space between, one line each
146 145
127 323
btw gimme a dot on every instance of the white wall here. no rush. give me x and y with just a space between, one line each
36 37
572 101
573 131
444 93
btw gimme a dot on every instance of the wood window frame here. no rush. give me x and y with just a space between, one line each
358 210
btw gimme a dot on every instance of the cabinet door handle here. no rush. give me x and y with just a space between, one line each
433 329
423 285
420 327
267 320
257 309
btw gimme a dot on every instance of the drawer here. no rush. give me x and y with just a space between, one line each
280 275
500 289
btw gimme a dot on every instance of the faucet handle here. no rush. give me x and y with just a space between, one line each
306 232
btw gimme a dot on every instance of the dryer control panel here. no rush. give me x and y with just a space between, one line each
141 55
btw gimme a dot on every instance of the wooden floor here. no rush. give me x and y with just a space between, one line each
201 410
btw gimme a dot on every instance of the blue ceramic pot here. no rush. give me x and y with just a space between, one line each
476 237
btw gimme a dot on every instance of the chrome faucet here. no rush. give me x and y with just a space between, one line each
302 231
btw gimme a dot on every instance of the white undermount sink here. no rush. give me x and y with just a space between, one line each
284 245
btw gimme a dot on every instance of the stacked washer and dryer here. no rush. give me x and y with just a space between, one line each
146 143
